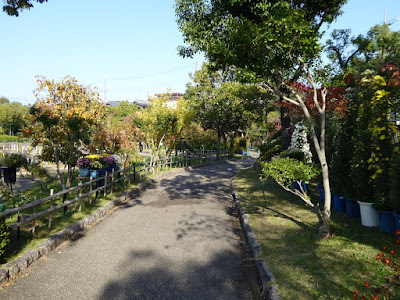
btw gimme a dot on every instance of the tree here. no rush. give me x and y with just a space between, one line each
220 104
4 100
13 7
270 42
12 118
161 124
63 120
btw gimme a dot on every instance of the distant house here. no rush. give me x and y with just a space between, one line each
139 103
173 98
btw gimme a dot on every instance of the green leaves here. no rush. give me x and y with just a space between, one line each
256 36
285 171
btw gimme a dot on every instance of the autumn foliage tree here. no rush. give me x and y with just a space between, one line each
63 119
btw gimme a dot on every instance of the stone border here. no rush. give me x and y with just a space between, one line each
269 286
21 263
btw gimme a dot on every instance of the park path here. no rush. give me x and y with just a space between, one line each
177 240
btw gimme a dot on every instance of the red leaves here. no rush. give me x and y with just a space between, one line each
335 101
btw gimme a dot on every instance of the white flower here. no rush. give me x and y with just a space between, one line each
299 141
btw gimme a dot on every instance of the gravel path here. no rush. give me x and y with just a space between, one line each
177 240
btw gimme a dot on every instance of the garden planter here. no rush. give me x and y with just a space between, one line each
396 221
10 175
321 192
339 202
94 173
369 215
102 172
352 208
84 172
296 186
386 221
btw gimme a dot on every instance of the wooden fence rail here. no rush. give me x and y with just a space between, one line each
102 184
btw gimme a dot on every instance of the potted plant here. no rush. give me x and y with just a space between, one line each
83 163
369 215
95 167
11 163
386 218
108 162
117 162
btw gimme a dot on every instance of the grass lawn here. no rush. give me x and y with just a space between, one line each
304 267
9 138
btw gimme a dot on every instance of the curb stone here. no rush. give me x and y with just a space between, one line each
269 288
21 263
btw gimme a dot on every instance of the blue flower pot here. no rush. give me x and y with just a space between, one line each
84 172
321 192
352 208
339 202
386 221
396 221
94 173
102 172
296 186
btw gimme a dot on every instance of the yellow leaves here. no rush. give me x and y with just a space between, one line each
378 81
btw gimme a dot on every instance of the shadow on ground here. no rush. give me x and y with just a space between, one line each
194 280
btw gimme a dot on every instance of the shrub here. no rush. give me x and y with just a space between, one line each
270 148
296 154
14 160
287 170
4 238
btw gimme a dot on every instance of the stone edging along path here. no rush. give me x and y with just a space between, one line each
21 263
269 286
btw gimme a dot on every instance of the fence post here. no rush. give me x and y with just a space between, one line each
63 187
134 172
90 189
34 221
105 185
80 194
51 206
112 180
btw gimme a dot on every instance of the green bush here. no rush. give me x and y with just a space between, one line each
4 238
14 160
296 154
270 148
287 170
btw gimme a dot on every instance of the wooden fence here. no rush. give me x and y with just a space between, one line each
94 187
22 148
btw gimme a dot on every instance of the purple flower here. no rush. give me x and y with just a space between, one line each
109 160
83 162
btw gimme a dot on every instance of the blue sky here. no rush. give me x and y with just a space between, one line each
130 43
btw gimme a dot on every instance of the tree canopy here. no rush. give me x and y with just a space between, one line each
14 7
63 119
262 38
220 103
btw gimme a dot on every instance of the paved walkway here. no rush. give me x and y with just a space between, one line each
174 241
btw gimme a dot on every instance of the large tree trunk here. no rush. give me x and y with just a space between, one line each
319 145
